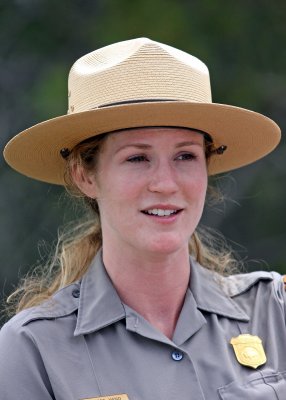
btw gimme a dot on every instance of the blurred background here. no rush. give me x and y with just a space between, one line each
243 44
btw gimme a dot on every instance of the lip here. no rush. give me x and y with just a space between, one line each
163 207
167 219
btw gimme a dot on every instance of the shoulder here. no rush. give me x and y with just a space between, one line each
235 285
31 339
257 292
62 304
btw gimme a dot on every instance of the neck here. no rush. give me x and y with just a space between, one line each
153 286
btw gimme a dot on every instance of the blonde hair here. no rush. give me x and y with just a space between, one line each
77 245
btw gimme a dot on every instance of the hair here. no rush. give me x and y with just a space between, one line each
78 244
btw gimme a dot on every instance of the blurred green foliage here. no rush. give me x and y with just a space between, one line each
241 42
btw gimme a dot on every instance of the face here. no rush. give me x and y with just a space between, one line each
150 185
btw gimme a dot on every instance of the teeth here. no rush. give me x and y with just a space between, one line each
160 212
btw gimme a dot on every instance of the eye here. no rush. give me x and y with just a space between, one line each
137 159
186 157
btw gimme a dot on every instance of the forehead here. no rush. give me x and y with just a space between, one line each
153 135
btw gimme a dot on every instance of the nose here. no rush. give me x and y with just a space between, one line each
163 179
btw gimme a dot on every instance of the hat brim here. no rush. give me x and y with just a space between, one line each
248 135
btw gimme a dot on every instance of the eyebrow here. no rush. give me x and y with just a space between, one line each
145 146
188 143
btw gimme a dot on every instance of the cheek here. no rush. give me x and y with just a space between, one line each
199 194
203 184
197 186
116 196
127 188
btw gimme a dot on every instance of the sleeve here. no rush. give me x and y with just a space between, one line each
22 372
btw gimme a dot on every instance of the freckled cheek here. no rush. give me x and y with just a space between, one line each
130 186
196 183
120 196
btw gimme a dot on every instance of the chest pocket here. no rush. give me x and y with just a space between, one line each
266 385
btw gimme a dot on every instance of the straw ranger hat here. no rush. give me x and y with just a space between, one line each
138 83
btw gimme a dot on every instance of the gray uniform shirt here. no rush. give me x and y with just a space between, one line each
85 343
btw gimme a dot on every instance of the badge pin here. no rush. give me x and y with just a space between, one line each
249 350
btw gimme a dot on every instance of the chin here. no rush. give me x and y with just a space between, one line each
166 245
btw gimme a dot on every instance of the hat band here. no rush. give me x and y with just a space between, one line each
205 134
135 101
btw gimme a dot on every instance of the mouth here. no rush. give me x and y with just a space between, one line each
161 212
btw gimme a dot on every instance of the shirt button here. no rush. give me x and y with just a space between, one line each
76 293
177 355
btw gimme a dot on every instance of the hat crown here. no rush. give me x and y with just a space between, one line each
136 70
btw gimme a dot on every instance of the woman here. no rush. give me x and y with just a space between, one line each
139 307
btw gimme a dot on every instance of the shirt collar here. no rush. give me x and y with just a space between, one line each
208 289
100 305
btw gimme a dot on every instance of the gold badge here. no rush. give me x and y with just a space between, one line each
249 350
112 397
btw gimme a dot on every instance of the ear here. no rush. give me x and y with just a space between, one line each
84 181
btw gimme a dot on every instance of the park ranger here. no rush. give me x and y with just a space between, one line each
138 303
